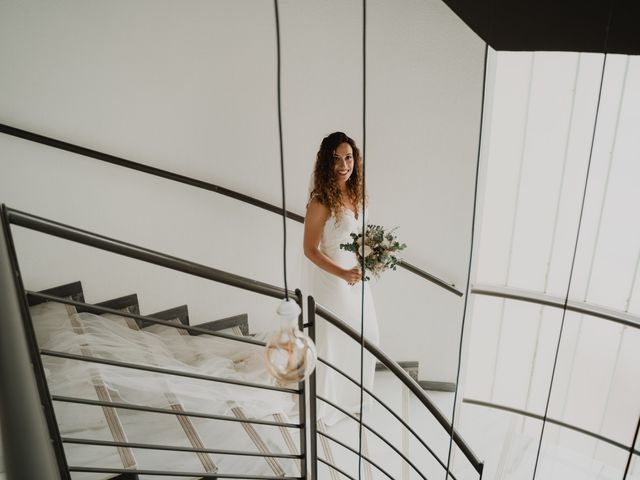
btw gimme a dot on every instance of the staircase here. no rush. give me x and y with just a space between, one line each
100 432
86 448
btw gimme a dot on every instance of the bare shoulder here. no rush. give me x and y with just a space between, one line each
317 211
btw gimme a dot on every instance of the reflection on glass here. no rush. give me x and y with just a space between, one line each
505 441
566 453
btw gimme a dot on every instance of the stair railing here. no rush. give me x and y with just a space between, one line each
13 413
26 436
316 311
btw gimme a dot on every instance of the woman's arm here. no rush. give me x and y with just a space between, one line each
317 215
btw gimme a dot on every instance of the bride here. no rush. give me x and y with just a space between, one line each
336 203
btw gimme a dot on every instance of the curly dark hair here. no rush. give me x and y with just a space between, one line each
325 187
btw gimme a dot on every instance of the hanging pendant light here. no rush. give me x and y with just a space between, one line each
290 355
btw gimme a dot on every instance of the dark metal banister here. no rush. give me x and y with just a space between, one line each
171 473
584 308
409 382
553 421
175 448
165 371
158 172
140 253
29 451
167 411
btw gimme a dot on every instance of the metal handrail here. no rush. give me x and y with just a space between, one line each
406 379
615 316
102 242
175 448
168 411
165 371
158 172
331 465
171 473
568 426
26 442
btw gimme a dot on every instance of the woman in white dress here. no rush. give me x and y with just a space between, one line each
334 211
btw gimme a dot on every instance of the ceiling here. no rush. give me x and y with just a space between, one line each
548 25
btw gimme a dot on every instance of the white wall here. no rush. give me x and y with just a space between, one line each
192 89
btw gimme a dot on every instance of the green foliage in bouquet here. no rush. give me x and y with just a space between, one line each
379 249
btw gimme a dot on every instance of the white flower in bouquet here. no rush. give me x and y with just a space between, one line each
378 247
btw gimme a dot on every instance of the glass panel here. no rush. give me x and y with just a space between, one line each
507 442
608 246
597 386
634 468
538 136
511 352
566 453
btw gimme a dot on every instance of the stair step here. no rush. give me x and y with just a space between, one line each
72 290
127 303
180 313
437 386
241 321
411 367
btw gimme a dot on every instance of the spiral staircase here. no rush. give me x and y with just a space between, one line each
40 448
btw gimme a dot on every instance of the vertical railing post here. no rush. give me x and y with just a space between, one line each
313 420
31 450
302 398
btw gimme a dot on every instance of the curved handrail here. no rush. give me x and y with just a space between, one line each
585 308
406 379
102 242
158 172
569 426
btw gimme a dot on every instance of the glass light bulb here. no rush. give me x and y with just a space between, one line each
290 354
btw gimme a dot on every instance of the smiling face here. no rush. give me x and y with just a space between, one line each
343 163
337 174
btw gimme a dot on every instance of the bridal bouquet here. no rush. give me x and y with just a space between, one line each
378 247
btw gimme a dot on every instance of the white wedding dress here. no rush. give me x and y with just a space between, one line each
345 301
109 337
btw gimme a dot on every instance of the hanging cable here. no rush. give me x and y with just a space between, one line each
575 247
364 225
284 203
473 223
631 447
